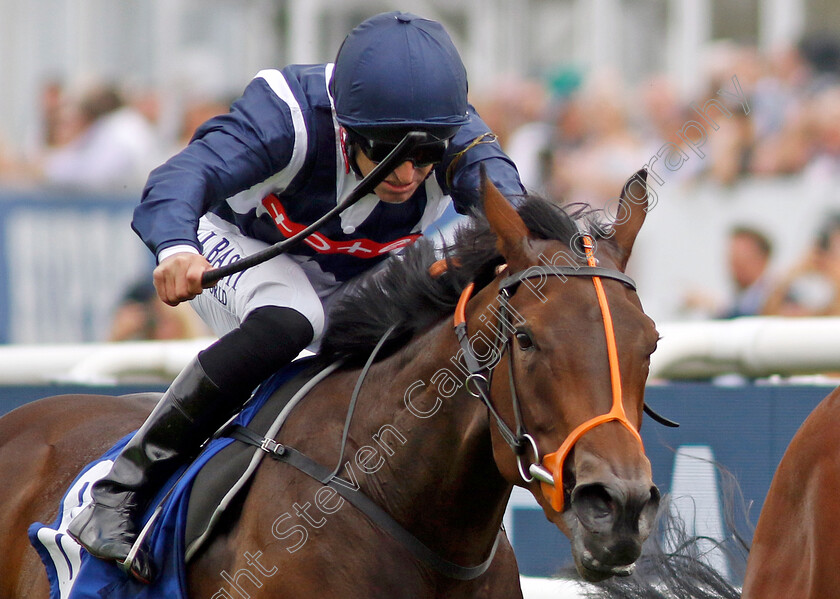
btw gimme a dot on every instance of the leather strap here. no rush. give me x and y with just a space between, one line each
567 271
364 504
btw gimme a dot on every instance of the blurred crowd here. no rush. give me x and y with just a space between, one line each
811 287
104 137
575 137
572 134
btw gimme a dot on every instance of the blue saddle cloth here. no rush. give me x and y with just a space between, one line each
73 574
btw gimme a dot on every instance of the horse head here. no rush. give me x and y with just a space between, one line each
571 388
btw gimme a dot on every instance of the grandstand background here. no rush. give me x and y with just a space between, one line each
217 45
67 254
167 54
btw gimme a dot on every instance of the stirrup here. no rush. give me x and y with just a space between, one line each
145 575
144 572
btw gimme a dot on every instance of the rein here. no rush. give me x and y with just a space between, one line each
478 385
518 440
353 494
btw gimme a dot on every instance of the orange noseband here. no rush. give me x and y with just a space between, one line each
551 474
554 461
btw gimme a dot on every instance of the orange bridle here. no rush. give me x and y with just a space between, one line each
554 461
551 474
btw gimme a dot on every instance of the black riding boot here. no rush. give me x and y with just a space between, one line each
190 411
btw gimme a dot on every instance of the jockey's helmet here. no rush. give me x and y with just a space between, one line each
397 72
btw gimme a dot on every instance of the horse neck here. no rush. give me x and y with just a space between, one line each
447 488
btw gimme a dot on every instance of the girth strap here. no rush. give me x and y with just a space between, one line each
364 504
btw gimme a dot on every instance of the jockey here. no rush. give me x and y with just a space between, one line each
295 143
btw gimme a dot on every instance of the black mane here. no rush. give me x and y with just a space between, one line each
406 296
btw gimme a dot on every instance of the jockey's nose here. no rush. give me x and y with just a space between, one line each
405 172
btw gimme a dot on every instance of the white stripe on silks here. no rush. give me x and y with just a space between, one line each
64 552
340 165
250 198
346 182
280 86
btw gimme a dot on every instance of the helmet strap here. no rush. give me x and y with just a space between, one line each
349 150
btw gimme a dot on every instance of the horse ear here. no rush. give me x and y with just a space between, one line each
505 222
632 210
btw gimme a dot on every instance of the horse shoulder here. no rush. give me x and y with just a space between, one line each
795 547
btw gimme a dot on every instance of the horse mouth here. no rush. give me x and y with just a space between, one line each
606 518
592 570
607 534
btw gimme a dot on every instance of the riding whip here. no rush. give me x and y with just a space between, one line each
365 186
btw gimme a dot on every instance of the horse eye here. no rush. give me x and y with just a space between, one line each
524 340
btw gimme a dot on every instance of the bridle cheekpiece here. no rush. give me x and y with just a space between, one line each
549 470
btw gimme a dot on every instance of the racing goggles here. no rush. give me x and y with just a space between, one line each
421 156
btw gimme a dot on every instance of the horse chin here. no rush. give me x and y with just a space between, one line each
591 570
589 567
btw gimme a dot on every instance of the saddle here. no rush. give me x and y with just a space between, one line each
186 510
220 486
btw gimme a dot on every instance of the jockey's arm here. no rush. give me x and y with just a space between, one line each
228 154
472 146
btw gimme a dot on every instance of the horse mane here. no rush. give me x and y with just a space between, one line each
404 295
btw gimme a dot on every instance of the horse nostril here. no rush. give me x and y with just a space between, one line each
594 506
654 496
648 511
600 507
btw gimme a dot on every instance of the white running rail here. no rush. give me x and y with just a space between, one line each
752 346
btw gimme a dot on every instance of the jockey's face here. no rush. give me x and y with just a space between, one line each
400 184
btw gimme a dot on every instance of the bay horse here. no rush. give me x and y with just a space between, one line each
542 386
796 546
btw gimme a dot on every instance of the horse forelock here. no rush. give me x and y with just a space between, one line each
405 295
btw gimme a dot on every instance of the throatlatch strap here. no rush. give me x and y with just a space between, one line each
478 382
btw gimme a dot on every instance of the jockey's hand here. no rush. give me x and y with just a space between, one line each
178 277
